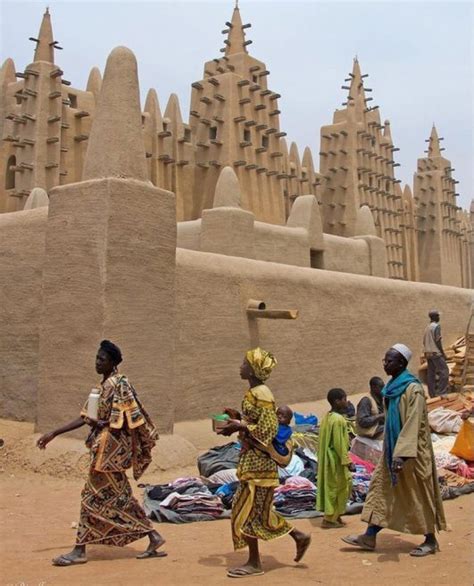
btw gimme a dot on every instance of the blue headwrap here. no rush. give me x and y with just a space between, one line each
392 392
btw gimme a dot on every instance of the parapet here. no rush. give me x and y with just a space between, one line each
229 230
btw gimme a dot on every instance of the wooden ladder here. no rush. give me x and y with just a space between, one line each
467 377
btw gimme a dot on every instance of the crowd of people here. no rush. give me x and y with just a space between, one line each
404 494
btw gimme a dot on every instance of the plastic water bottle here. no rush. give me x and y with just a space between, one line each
93 404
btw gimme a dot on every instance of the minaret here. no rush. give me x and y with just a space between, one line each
38 130
438 217
356 161
48 124
235 122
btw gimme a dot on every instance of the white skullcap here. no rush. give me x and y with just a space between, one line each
403 350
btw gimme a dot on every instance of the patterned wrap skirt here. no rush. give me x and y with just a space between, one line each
253 514
110 514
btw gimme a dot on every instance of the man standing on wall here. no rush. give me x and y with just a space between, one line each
438 372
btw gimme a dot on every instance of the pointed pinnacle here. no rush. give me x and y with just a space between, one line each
45 43
236 37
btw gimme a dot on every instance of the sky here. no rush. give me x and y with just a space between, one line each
419 57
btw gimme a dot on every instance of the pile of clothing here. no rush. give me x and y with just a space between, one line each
296 498
224 457
183 501
210 496
360 479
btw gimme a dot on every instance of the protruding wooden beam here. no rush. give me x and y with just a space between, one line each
257 309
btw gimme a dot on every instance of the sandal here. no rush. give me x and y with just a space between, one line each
424 549
244 573
360 541
332 524
64 561
151 554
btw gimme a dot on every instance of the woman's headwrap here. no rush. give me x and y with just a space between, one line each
262 362
113 351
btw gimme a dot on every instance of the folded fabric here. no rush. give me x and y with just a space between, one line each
181 485
367 449
444 420
190 502
224 476
369 466
294 468
227 489
219 458
297 482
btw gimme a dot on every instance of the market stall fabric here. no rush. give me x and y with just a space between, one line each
209 496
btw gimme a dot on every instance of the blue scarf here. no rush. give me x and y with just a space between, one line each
392 392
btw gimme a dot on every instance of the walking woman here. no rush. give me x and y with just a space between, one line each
253 515
121 437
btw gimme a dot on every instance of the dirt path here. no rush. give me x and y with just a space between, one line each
37 512
38 508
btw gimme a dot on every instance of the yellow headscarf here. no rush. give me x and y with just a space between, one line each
262 362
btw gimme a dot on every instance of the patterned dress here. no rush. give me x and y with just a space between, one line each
110 515
253 514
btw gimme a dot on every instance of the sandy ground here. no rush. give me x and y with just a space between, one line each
39 508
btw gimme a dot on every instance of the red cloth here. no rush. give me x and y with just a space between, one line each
367 465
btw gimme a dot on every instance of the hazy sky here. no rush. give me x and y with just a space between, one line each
419 57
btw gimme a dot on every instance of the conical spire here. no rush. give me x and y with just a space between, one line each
7 72
356 68
173 110
235 42
227 192
356 95
433 144
387 134
307 160
94 83
45 42
407 194
152 106
38 198
116 147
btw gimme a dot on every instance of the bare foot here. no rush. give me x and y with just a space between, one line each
302 544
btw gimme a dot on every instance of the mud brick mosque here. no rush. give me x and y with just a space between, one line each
186 241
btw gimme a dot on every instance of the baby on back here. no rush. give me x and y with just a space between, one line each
284 415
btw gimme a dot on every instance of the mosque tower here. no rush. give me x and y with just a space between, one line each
235 119
47 123
438 218
356 162
39 124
